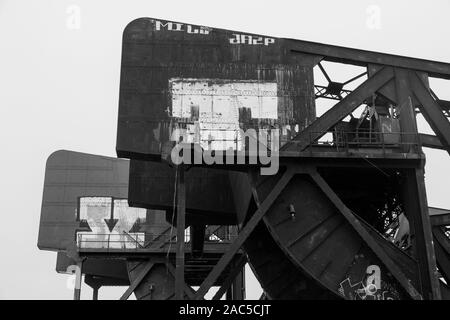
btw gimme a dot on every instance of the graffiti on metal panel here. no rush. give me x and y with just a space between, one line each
217 107
181 27
251 39
371 287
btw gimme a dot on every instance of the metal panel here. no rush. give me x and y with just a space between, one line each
108 272
165 64
324 246
208 191
69 176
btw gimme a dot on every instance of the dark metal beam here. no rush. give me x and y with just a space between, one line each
237 290
324 72
243 235
197 238
240 263
137 281
181 225
363 57
95 284
443 262
187 289
432 112
340 110
95 293
359 228
430 141
165 238
415 205
78 281
440 220
441 237
441 248
355 78
388 90
405 109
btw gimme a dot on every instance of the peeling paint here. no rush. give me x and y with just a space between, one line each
215 108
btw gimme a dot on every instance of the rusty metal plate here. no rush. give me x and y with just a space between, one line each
210 83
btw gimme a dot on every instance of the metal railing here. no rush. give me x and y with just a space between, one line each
345 140
89 240
140 240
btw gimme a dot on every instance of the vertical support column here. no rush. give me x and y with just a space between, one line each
415 198
95 293
78 278
181 215
229 294
197 238
238 286
416 207
95 284
237 289
405 108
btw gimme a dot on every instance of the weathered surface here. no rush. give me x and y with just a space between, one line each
70 176
210 82
208 192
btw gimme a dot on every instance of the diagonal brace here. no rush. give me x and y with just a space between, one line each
430 141
229 280
187 289
339 111
376 248
137 281
432 112
243 235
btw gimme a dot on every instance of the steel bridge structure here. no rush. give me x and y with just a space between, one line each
344 215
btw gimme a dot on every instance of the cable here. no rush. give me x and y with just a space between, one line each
375 166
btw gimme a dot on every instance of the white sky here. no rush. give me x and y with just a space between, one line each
59 90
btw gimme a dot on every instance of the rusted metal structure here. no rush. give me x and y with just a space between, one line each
344 215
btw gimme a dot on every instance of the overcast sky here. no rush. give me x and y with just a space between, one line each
59 86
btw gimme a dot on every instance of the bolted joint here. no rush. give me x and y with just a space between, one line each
292 211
